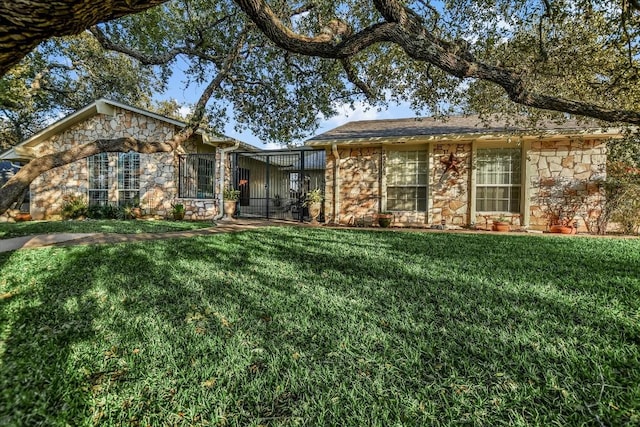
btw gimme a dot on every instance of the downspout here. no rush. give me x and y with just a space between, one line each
337 182
223 156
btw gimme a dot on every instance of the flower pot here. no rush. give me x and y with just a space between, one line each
178 216
23 216
229 209
136 212
562 229
384 220
501 226
314 212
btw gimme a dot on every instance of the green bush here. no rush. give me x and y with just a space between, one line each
74 206
623 196
103 212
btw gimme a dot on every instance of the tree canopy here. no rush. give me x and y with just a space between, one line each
578 57
25 24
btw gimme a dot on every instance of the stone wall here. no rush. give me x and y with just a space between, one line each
449 192
573 167
202 209
563 173
158 172
359 189
362 186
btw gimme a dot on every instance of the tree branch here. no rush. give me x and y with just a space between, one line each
145 59
352 75
422 45
12 189
302 9
23 25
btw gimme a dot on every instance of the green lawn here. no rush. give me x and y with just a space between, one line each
96 226
315 327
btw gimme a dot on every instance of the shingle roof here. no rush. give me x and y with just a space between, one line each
429 126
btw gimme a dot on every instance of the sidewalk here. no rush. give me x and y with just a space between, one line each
70 239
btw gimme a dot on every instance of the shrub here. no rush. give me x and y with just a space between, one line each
74 206
230 194
103 212
622 190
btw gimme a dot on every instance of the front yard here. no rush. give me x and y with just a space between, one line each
300 326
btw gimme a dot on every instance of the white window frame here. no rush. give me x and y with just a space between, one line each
128 176
101 177
483 180
414 175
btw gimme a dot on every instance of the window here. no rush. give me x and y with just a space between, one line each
498 180
197 176
407 174
98 166
128 178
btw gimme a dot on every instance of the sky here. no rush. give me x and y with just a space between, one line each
346 114
190 95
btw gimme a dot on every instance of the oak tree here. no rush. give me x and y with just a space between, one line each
523 60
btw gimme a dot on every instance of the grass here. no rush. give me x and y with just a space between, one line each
299 326
28 228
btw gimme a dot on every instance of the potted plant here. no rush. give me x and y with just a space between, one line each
563 225
230 196
501 224
562 215
178 211
23 216
313 201
136 210
131 211
563 199
385 219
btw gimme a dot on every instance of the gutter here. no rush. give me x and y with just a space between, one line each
223 156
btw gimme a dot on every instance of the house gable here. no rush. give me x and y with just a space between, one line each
155 178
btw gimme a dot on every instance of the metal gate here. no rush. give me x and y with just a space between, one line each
274 184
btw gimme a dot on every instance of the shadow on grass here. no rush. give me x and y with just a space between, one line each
291 326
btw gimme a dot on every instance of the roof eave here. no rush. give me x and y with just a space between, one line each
15 155
460 138
100 106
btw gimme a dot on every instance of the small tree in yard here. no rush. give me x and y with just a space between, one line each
622 190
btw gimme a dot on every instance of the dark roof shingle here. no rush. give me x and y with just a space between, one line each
431 126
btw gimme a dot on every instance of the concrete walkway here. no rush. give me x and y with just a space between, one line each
70 239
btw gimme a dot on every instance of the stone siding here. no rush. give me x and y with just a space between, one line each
158 171
359 190
567 169
449 193
575 167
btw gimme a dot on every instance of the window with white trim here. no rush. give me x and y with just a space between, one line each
98 166
498 172
128 178
407 177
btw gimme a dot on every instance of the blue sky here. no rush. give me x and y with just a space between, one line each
190 95
345 115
